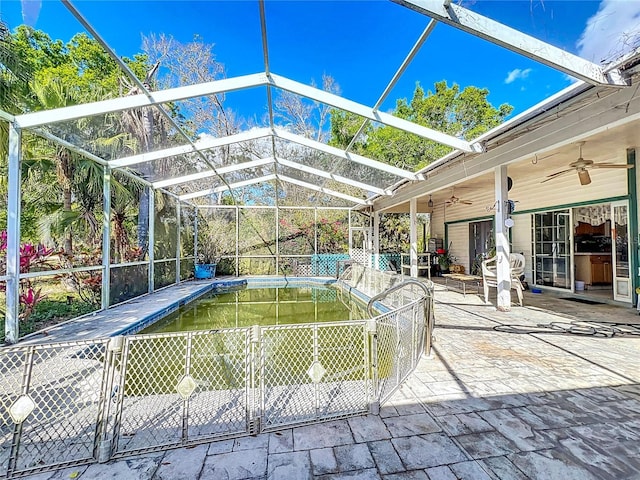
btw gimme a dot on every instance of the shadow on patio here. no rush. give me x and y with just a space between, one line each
489 403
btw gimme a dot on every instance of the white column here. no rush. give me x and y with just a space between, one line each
106 237
376 240
11 326
152 238
502 241
413 236
195 235
178 241
237 240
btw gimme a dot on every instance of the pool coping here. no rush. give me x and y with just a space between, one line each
123 319
250 282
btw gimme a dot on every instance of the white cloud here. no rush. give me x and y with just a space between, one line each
613 31
517 74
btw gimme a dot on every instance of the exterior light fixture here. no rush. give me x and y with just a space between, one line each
21 409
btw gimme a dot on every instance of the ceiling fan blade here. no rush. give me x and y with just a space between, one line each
611 165
585 178
558 174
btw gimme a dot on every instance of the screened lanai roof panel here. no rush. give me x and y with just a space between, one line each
210 21
230 111
222 182
335 165
201 158
120 134
367 30
317 180
293 195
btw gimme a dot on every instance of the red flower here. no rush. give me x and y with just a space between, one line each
31 298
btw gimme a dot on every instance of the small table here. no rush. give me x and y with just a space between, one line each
463 281
423 265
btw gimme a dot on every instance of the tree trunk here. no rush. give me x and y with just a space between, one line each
64 172
66 206
143 206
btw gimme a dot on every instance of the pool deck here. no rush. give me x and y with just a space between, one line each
131 316
500 398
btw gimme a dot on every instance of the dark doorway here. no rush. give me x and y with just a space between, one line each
481 243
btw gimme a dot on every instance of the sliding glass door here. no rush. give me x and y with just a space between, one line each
620 251
552 249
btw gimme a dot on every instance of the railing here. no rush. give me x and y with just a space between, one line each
84 402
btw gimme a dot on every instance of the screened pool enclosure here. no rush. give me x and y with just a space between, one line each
115 194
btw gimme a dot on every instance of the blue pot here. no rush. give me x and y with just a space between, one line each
205 270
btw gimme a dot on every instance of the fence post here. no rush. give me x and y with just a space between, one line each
17 426
429 323
374 401
109 392
254 407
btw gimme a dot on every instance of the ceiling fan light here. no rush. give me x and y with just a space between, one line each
585 178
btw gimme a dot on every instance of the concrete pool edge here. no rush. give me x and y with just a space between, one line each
132 316
221 284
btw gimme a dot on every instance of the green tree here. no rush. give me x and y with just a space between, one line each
463 113
66 74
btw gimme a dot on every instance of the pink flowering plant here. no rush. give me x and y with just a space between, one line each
31 257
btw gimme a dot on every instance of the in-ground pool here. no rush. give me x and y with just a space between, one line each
262 305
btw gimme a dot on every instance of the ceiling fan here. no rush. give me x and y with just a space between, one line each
582 166
453 200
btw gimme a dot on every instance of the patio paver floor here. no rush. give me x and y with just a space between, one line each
488 404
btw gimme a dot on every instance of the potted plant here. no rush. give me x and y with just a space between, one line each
445 260
205 266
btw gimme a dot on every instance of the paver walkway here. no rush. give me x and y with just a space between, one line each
488 404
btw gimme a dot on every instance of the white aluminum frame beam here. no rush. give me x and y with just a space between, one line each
267 178
332 176
210 173
12 311
370 113
327 191
483 27
307 142
199 145
45 117
267 161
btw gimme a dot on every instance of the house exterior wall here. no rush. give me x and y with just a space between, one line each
521 242
458 240
437 223
530 195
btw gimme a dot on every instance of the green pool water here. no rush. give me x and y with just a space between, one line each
262 306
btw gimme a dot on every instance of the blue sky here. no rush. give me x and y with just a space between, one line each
359 43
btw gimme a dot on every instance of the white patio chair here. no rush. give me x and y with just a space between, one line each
490 277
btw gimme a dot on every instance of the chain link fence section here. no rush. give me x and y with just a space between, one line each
404 333
372 282
81 402
50 405
313 372
400 344
180 389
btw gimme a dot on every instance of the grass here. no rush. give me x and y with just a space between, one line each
57 307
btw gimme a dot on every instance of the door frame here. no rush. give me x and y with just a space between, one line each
628 297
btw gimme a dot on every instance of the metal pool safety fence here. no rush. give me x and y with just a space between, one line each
74 403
